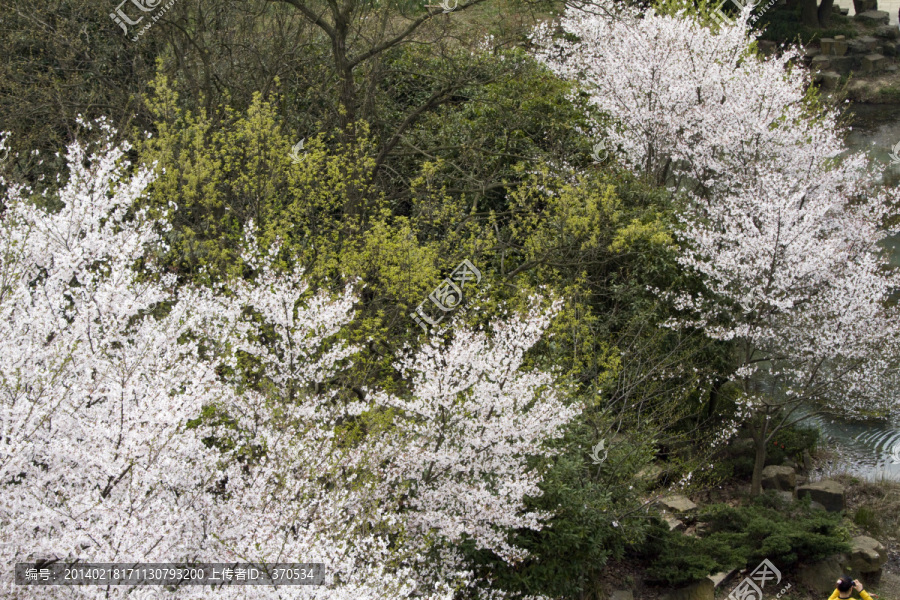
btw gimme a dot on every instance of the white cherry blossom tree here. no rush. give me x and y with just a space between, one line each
106 365
782 226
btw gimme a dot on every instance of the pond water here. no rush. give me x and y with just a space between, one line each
870 448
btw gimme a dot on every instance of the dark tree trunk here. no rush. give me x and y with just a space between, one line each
809 14
759 430
825 12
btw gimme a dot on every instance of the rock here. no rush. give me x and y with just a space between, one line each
867 554
874 17
820 576
888 32
864 5
870 42
807 461
821 63
622 595
651 472
701 529
840 38
830 494
891 69
786 497
839 48
802 479
826 44
673 523
720 579
857 47
845 11
871 579
842 64
809 53
817 505
776 477
702 590
873 63
790 463
889 49
678 504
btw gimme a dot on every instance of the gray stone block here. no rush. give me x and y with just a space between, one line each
857 47
782 478
821 575
829 494
867 555
889 32
874 17
873 63
826 44
870 43
678 504
673 523
820 63
844 64
720 579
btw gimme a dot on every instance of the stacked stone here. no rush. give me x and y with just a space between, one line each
865 55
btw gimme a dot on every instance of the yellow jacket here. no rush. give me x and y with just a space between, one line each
863 594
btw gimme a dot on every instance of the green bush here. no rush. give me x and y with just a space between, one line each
738 537
790 443
678 559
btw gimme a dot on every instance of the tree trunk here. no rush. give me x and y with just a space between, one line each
759 463
809 14
759 430
825 12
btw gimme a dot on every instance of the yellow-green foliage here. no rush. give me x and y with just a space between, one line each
224 171
574 238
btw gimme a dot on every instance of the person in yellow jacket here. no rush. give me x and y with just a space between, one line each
845 587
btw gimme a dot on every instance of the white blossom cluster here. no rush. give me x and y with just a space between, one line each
106 364
782 225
